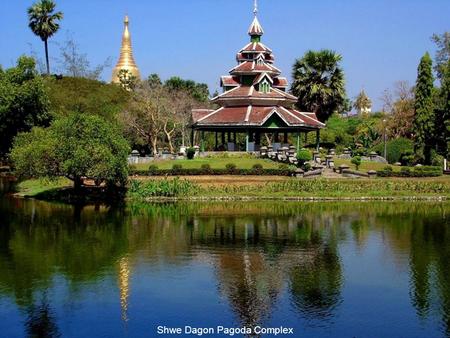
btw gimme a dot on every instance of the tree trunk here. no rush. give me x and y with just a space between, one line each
77 182
46 56
154 140
268 139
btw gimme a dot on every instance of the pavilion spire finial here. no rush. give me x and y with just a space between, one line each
255 30
255 8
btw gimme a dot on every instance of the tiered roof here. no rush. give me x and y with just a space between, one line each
254 92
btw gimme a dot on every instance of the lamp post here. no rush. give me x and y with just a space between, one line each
385 137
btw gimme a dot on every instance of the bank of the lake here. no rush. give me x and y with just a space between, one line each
256 188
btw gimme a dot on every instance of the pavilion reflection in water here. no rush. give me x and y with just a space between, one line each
257 251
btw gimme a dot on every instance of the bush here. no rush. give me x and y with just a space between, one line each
153 169
206 169
176 169
395 149
303 156
283 170
425 171
230 168
190 153
257 169
436 159
407 158
356 161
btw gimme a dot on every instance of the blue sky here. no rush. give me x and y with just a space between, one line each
381 41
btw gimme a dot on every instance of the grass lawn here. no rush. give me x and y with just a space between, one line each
214 162
366 165
33 187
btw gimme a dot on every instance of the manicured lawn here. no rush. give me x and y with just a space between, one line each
214 162
366 166
33 187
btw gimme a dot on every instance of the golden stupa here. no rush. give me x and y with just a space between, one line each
126 60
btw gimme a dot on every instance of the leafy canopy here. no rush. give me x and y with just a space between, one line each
424 110
75 146
319 83
43 22
24 101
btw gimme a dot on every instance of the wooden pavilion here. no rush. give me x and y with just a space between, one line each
254 102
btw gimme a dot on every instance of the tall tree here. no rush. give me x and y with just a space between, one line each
319 83
44 22
443 114
424 110
24 101
442 57
362 103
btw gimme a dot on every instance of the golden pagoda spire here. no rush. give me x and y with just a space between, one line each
126 60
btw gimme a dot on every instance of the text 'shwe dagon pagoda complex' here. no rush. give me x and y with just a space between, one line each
254 101
126 59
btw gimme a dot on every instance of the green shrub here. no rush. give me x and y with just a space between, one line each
161 188
424 171
176 169
257 169
407 158
153 169
356 161
395 149
303 156
190 153
230 168
436 159
206 169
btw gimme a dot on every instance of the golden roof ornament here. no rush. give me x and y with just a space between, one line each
126 59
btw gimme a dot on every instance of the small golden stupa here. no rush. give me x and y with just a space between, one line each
126 60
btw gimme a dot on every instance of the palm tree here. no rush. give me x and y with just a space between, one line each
319 83
44 23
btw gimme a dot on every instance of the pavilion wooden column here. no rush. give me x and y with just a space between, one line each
202 141
317 139
223 139
247 136
298 142
285 138
192 137
216 142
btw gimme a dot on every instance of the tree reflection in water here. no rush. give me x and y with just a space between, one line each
258 251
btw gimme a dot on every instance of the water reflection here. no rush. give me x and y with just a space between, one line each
261 255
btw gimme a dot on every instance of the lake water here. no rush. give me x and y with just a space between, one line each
323 269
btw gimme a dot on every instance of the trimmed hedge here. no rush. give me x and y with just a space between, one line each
282 171
425 171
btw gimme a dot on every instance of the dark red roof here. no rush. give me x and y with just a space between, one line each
257 116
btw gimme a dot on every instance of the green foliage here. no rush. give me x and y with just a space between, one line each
231 168
161 188
395 149
152 169
257 169
75 146
176 169
190 153
23 101
424 171
424 111
81 95
303 156
206 168
356 161
319 83
407 158
199 91
283 170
